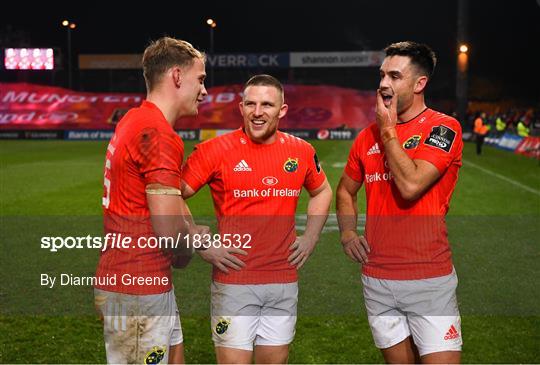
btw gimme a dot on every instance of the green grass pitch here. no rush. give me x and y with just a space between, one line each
55 187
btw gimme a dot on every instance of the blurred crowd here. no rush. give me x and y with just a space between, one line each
522 122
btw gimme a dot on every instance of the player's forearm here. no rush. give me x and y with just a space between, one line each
404 170
346 210
169 225
170 217
186 214
317 213
174 229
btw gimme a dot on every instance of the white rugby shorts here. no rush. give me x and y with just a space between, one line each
248 315
138 329
426 309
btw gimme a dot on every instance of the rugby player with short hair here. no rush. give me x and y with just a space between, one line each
255 175
408 161
142 198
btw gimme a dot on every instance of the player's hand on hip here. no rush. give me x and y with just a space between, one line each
223 258
356 247
302 248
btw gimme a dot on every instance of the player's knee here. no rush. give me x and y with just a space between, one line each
227 355
271 354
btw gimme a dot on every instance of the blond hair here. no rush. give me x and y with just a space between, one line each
165 53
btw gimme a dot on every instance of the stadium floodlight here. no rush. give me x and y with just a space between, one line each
212 23
69 26
29 59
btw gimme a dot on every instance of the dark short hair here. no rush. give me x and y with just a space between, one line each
264 80
165 53
421 55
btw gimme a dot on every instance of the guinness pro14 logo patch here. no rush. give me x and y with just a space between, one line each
441 137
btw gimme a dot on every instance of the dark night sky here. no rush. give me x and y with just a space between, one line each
504 35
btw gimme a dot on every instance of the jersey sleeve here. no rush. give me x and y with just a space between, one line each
442 146
158 156
200 166
354 168
315 175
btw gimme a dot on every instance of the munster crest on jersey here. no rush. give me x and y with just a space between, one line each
291 165
412 142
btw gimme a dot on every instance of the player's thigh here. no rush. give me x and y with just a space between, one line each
277 325
235 332
404 352
434 334
228 355
388 324
176 354
235 316
271 354
120 324
139 328
443 357
388 330
276 330
162 328
434 319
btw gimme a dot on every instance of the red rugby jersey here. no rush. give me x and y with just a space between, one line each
144 150
255 189
408 239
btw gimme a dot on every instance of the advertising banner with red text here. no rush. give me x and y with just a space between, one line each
35 107
28 106
530 147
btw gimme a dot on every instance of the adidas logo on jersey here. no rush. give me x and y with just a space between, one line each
452 333
374 149
242 166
